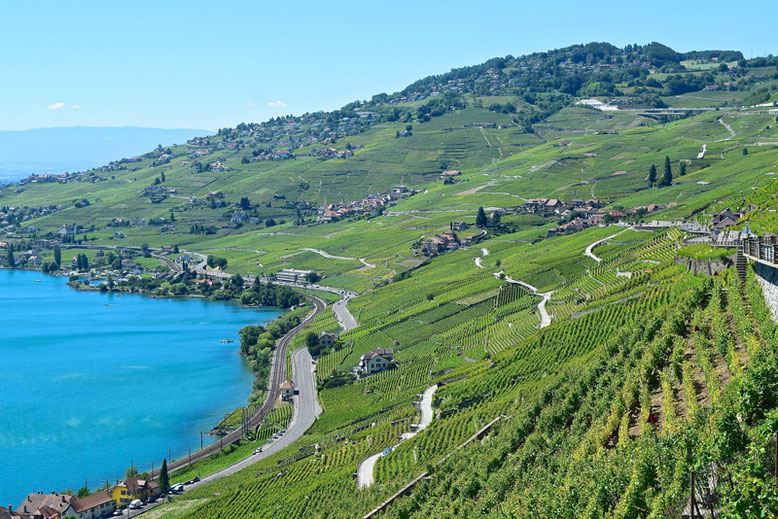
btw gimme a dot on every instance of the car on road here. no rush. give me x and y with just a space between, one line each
135 504
176 488
257 450
117 512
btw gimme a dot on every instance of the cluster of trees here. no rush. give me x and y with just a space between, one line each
507 108
257 344
263 294
199 228
82 262
437 106
316 349
667 174
215 261
480 218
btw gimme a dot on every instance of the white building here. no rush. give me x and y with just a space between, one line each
293 275
327 339
287 390
376 360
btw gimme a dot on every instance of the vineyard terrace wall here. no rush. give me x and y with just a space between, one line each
768 278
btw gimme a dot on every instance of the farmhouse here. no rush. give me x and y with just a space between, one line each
724 219
327 339
376 360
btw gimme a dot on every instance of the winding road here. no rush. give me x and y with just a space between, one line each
588 251
366 468
545 317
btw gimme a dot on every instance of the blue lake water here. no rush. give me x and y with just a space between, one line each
91 382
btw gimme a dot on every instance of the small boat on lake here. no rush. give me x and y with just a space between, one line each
224 341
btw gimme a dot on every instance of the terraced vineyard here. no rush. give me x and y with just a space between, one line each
571 382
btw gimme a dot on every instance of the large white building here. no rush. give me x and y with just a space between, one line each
293 275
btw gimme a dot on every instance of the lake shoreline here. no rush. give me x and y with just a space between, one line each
209 415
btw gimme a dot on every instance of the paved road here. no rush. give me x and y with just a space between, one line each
588 251
346 320
545 318
366 468
305 411
277 374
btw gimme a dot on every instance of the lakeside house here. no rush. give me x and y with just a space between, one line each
376 360
54 505
134 488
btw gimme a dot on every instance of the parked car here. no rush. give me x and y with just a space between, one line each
136 503
257 450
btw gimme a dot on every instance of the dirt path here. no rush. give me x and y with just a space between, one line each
484 253
332 256
729 129
545 317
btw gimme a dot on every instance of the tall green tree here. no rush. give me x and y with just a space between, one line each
480 218
652 176
57 255
11 260
682 169
164 479
667 176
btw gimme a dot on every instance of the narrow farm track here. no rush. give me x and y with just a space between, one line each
588 251
366 468
729 129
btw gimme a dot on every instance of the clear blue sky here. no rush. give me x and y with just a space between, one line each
193 64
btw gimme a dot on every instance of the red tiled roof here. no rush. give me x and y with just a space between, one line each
81 504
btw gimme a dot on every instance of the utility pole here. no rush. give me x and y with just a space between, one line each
169 458
190 457
201 440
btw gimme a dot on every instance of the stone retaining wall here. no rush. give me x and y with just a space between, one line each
768 278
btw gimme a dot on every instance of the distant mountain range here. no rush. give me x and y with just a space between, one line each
77 148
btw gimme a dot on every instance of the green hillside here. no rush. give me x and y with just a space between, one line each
561 410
